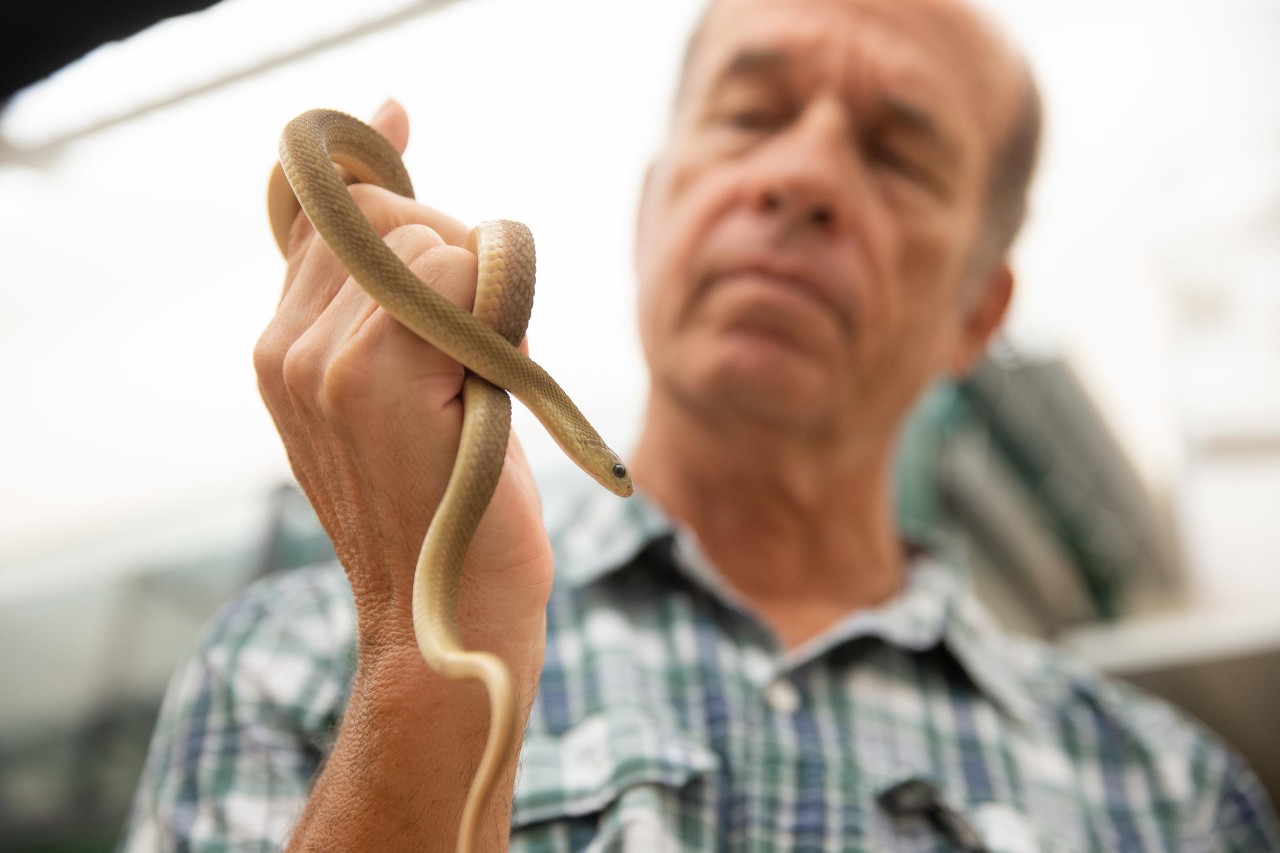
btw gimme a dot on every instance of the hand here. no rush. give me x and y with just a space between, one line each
370 419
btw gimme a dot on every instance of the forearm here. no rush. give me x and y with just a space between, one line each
403 761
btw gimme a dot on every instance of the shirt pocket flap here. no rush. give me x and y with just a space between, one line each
589 766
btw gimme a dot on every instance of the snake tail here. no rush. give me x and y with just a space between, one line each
497 680
481 452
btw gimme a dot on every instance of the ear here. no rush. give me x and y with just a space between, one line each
986 313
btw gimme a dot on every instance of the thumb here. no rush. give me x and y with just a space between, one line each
392 121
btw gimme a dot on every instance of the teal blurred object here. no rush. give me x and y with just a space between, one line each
1036 442
920 507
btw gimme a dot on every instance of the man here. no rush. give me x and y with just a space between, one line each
745 656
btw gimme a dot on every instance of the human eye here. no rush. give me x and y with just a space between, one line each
901 164
898 162
752 119
751 109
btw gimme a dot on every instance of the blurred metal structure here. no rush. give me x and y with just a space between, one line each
204 68
101 631
37 39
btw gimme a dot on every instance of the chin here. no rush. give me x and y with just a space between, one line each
765 381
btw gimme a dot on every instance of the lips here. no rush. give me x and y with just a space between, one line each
793 278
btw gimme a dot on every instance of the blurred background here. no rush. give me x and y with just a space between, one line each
1110 477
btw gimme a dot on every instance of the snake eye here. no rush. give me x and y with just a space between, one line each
619 470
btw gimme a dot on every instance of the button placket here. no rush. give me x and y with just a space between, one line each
782 696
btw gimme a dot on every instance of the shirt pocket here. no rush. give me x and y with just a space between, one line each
616 781
1006 829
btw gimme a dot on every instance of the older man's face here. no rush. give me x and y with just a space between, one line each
806 235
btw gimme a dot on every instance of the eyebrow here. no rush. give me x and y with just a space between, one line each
753 62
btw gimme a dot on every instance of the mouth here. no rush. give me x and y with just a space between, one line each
778 285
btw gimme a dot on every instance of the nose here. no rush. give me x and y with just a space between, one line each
803 209
804 177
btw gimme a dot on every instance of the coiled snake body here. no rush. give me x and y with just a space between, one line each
485 342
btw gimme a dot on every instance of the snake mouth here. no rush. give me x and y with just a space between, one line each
620 484
614 476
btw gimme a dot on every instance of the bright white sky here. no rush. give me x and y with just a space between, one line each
138 268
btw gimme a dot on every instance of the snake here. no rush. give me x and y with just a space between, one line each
485 342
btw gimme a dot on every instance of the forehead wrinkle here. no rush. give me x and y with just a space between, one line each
809 52
973 45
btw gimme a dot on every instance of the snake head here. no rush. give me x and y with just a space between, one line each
609 471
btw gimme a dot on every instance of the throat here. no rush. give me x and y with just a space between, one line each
803 582
803 533
800 605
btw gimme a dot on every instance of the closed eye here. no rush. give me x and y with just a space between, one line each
754 119
900 164
895 160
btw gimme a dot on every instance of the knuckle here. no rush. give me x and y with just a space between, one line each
384 209
268 353
301 369
349 382
449 270
411 241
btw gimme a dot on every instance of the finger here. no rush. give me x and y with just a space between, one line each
356 363
392 122
357 357
316 277
288 228
315 274
351 307
385 211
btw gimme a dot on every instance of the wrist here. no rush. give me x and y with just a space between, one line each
408 738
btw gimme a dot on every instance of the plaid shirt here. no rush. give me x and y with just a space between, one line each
668 718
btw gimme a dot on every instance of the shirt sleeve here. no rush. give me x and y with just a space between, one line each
247 719
1245 820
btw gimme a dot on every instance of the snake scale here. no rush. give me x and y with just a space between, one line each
485 343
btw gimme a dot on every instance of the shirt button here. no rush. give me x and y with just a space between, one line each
782 696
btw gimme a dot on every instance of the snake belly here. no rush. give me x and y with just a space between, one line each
485 343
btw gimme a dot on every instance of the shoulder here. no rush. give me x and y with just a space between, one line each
307 608
1074 694
1058 690
1143 750
248 717
286 642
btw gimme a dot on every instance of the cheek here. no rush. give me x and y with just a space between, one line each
652 267
673 223
932 265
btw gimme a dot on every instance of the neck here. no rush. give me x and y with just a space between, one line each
802 527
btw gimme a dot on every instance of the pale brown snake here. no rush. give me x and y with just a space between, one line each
485 343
